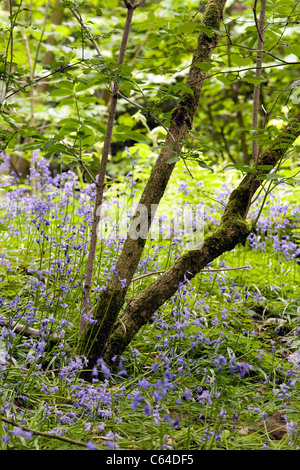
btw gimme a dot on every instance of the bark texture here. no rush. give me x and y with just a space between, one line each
233 229
100 184
95 336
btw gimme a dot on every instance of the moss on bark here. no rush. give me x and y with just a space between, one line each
233 229
95 336
110 335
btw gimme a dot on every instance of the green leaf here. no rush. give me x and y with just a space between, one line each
265 167
54 147
99 126
181 86
270 177
205 66
204 165
240 60
67 84
173 160
186 28
239 167
68 121
67 101
250 78
151 17
210 32
85 131
60 92
227 79
295 49
274 176
122 128
84 86
31 146
132 135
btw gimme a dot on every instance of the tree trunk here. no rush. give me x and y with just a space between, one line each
56 19
232 230
94 336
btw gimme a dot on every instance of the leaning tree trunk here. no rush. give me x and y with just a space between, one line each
94 336
233 229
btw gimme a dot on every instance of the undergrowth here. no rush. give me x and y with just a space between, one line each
216 368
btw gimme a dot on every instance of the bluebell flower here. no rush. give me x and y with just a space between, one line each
174 423
90 445
103 367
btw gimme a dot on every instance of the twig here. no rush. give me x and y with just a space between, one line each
103 164
147 274
256 92
237 71
87 171
36 80
258 28
29 331
83 165
212 199
163 271
46 434
254 50
224 269
202 271
89 35
19 328
129 100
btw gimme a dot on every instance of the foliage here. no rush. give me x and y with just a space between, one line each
218 366
67 115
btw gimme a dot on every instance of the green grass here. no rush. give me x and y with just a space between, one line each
180 384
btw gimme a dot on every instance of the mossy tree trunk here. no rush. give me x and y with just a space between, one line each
111 333
94 336
233 229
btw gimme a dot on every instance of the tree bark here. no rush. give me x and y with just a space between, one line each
100 184
56 19
259 60
94 336
233 229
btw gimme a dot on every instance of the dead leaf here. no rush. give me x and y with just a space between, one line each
244 431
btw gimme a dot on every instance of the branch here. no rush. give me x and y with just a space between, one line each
129 100
47 434
112 299
263 67
102 171
258 25
36 80
232 230
89 35
93 41
131 4
29 331
10 44
202 271
256 93
137 4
